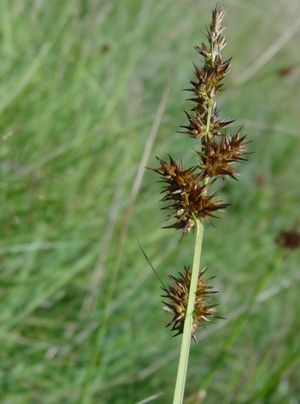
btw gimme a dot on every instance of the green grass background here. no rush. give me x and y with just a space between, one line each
90 92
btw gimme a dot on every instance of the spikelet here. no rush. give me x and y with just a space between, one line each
217 158
177 300
187 189
188 197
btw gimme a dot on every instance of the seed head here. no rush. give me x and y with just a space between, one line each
177 300
188 189
189 197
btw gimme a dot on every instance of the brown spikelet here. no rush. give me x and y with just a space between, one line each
217 158
177 301
189 198
208 81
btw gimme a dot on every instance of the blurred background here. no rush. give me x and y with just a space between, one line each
90 92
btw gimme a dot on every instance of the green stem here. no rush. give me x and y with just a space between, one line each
188 322
208 118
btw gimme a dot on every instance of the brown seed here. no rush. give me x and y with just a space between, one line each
105 47
289 239
286 72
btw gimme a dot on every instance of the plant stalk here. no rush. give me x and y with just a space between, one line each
208 118
188 323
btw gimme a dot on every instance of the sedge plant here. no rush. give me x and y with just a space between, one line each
187 192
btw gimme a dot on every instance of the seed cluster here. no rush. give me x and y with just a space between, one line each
187 191
178 294
187 194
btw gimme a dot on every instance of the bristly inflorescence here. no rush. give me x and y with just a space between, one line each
177 300
186 194
187 191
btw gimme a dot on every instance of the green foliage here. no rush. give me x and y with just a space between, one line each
81 318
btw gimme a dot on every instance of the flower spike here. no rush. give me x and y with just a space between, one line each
188 189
